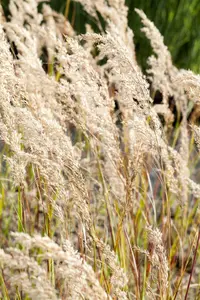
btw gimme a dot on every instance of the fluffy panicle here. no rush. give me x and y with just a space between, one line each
88 96
162 72
131 88
161 67
76 278
45 143
190 83
115 15
158 259
25 274
118 279
163 76
41 26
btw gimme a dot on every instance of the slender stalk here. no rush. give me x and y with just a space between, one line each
3 286
106 198
133 264
67 8
20 211
193 264
183 272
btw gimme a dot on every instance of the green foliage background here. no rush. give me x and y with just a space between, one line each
177 20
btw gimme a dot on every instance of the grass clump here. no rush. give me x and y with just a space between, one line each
99 162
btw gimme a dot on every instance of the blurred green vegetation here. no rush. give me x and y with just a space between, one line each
177 20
